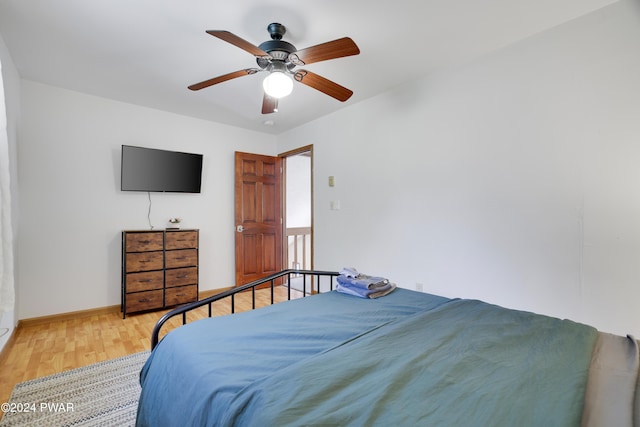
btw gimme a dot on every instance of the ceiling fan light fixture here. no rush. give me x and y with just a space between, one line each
277 84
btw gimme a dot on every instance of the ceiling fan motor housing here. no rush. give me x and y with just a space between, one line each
277 48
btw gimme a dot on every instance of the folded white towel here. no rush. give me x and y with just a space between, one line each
363 281
349 272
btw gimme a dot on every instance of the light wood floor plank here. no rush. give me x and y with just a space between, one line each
54 345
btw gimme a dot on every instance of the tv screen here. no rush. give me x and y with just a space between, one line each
150 169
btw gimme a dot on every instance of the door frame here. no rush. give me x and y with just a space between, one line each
285 243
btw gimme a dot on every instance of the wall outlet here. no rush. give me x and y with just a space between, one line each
419 287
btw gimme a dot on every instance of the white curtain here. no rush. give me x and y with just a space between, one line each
7 291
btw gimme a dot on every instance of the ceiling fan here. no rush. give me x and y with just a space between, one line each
280 59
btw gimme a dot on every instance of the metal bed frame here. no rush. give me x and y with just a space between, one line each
184 309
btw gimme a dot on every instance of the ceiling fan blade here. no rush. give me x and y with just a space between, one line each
223 78
324 85
269 104
239 42
322 52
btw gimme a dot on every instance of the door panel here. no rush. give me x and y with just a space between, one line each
249 201
270 212
270 248
257 214
249 246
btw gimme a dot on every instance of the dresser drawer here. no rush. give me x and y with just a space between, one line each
182 239
181 258
144 242
181 277
144 300
144 261
137 282
181 295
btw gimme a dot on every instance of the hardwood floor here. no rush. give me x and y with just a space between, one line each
43 348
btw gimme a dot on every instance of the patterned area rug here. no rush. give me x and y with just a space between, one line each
103 394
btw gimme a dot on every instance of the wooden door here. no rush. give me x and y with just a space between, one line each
258 216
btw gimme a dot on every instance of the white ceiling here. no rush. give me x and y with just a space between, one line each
147 52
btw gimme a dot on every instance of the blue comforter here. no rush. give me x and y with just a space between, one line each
406 359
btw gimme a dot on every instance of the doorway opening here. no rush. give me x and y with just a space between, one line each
298 212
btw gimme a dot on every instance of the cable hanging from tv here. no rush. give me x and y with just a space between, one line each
149 211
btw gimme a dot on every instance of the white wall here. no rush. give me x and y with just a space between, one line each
514 179
298 191
72 209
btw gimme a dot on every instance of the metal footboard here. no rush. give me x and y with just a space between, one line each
289 274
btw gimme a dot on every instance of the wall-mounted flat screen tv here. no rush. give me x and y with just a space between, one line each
150 169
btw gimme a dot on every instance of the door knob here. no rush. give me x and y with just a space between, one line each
239 228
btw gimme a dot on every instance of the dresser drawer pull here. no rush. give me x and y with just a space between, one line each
181 295
182 276
145 280
144 300
181 258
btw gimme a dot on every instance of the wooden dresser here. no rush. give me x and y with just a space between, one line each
159 269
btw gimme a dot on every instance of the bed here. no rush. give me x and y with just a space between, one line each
408 358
